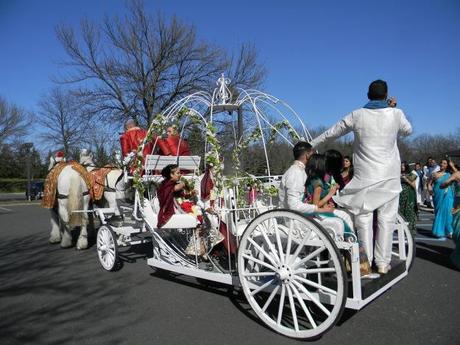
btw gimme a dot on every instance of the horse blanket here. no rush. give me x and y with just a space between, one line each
50 187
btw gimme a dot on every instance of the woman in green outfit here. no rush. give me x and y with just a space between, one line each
408 199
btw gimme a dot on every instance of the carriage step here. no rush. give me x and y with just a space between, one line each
369 286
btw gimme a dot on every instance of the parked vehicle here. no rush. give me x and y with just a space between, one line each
36 190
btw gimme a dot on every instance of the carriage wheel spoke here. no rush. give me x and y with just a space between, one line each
316 285
315 270
270 245
289 242
298 249
262 287
304 307
278 240
308 257
268 256
294 313
259 274
313 299
281 305
270 298
263 263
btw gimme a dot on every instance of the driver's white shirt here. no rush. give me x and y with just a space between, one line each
292 189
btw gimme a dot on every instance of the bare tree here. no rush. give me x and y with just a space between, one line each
14 121
139 65
64 119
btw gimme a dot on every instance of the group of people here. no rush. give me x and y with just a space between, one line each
423 186
172 145
375 185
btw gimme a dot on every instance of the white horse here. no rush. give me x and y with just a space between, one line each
116 188
72 194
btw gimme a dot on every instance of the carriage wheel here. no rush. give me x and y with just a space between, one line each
107 248
292 274
409 243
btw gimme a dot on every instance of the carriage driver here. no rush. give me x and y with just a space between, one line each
132 138
292 189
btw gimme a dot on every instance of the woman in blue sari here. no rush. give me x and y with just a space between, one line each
443 199
455 181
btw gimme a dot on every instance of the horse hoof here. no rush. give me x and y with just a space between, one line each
66 244
82 244
54 240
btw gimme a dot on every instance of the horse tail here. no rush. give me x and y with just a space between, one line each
75 201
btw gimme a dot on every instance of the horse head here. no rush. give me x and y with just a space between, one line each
52 163
86 159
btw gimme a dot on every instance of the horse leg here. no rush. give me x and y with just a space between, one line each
82 242
66 240
55 235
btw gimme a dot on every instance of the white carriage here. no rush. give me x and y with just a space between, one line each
289 267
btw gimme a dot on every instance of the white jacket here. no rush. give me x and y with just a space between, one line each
377 165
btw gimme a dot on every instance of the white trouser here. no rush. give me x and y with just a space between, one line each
346 217
336 223
419 194
386 218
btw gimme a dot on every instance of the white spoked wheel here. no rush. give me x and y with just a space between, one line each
407 250
292 274
107 248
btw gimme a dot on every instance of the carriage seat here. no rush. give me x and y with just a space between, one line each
155 163
177 221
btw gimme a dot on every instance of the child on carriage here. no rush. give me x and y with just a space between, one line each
320 193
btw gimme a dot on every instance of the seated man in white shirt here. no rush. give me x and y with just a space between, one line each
292 189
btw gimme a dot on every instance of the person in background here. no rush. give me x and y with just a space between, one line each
419 183
443 199
430 168
407 199
347 171
376 182
334 166
455 181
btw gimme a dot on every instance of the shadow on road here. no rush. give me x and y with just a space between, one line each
437 254
45 292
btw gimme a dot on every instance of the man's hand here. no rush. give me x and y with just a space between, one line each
325 209
392 102
128 158
334 189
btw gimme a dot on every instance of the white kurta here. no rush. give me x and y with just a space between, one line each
377 165
292 189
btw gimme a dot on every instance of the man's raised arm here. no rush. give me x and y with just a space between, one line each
342 127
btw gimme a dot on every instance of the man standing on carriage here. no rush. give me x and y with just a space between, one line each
376 182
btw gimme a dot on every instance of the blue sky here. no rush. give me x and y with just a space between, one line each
320 55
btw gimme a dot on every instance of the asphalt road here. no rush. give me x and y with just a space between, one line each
12 196
50 295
